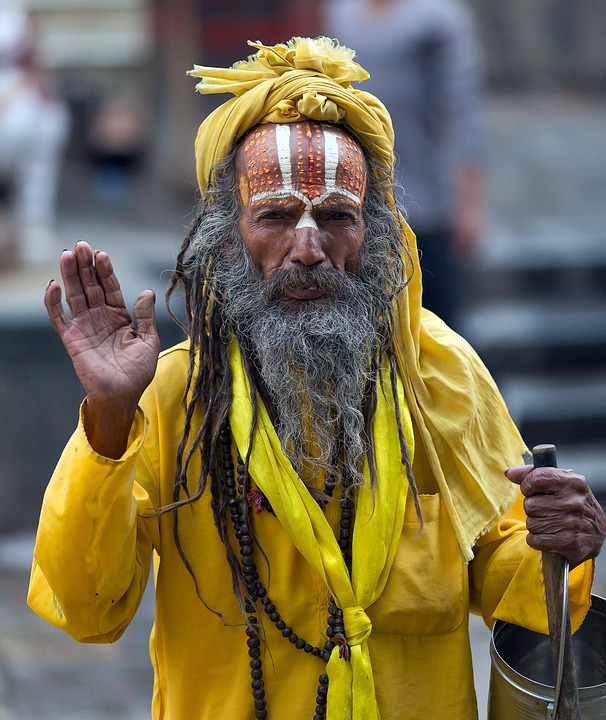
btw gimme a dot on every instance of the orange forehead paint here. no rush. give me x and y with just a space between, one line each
309 161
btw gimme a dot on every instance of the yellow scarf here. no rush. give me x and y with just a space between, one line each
377 529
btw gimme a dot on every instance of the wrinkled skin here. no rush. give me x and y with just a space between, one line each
563 513
114 357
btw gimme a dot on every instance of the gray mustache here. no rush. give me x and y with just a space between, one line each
333 283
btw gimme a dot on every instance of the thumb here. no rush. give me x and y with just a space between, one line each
517 474
145 314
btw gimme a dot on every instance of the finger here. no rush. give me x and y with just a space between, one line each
577 547
54 307
145 316
108 280
90 282
518 474
570 520
562 497
560 506
553 482
72 281
556 524
563 543
545 480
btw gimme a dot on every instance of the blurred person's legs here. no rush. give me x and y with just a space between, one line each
116 146
33 136
10 150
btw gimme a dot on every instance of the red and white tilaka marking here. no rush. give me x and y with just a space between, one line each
323 165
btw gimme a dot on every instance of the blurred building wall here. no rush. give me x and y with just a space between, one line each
529 45
208 33
97 50
142 48
541 44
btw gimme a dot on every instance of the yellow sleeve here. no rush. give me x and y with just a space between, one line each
506 578
94 542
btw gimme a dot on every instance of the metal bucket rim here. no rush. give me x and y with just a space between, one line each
547 690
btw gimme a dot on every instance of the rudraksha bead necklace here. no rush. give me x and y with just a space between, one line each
239 502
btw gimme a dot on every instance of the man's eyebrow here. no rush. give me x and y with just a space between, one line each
336 195
279 194
339 198
277 198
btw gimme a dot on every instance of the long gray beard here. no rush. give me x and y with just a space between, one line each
313 359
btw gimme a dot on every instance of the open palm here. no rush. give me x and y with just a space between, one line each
114 359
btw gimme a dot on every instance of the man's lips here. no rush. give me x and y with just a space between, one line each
304 293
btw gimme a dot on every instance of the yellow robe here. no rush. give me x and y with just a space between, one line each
95 548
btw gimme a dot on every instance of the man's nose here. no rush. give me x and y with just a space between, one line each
307 247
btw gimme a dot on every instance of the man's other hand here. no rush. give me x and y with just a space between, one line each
563 513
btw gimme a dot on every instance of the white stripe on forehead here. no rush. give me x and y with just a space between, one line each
331 163
284 159
331 160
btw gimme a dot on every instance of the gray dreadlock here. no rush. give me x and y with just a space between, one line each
211 255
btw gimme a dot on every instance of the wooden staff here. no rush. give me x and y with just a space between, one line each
555 574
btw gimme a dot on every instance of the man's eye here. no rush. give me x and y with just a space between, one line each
272 215
335 215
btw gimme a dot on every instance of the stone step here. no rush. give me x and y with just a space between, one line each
525 335
560 409
578 280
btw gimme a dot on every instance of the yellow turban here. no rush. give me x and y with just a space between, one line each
304 79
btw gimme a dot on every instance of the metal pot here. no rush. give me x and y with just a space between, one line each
521 677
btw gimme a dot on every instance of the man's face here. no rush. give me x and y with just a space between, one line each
301 191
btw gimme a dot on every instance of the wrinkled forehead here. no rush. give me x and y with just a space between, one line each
310 161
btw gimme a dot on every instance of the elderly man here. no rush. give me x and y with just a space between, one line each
318 471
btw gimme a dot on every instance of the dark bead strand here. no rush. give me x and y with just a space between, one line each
257 589
238 504
345 525
321 697
249 568
256 664
335 619
336 627
250 574
246 550
329 486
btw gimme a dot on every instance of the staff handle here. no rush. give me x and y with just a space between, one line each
555 574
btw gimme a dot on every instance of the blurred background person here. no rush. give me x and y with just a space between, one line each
424 62
116 148
34 128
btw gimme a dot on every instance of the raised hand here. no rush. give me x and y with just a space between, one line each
562 512
114 359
